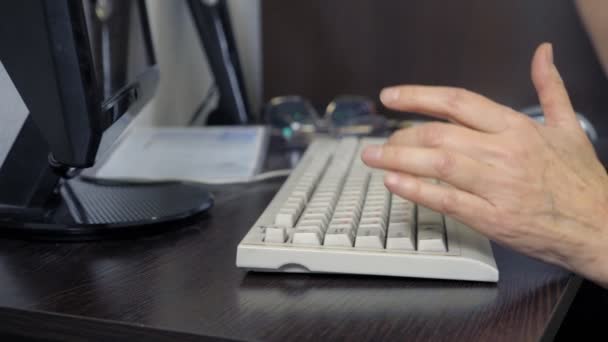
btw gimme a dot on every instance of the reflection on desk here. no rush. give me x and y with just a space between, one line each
448 297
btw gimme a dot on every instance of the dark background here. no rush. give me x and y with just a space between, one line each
320 48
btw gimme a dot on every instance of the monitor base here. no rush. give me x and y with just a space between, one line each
84 211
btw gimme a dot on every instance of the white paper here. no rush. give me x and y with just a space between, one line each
195 154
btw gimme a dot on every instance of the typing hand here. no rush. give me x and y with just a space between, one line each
539 189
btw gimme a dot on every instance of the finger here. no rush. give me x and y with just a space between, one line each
468 208
551 91
453 168
451 137
453 104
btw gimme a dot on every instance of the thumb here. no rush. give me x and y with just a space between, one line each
551 90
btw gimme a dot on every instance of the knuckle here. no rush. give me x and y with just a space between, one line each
511 154
523 122
444 165
450 202
390 154
413 191
456 98
393 156
396 137
521 119
431 135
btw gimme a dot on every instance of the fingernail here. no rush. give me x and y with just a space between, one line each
389 95
549 54
391 179
372 153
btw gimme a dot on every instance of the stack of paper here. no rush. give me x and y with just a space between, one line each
196 154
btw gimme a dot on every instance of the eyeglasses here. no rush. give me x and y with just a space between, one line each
296 120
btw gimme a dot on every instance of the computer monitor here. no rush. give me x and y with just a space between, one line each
76 67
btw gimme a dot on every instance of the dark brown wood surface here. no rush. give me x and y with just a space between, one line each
320 49
186 282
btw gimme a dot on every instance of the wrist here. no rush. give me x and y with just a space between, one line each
591 257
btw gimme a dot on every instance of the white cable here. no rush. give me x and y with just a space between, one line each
257 178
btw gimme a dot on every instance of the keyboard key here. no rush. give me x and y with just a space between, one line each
306 236
292 205
349 204
321 204
368 237
319 210
275 235
339 236
309 228
400 236
349 226
351 221
327 198
401 202
315 216
374 211
300 197
431 238
429 216
287 217
317 223
340 213
401 213
305 192
374 221
400 217
347 209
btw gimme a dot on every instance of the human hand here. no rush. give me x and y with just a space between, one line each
538 188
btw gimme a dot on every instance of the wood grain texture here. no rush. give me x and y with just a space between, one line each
187 282
320 49
23 325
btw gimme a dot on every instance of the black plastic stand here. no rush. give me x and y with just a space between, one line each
83 210
214 28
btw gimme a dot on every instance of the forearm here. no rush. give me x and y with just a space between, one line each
593 14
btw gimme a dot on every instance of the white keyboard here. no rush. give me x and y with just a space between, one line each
334 215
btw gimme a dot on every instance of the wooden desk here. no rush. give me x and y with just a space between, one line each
184 284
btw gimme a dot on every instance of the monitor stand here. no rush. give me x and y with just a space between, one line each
82 210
